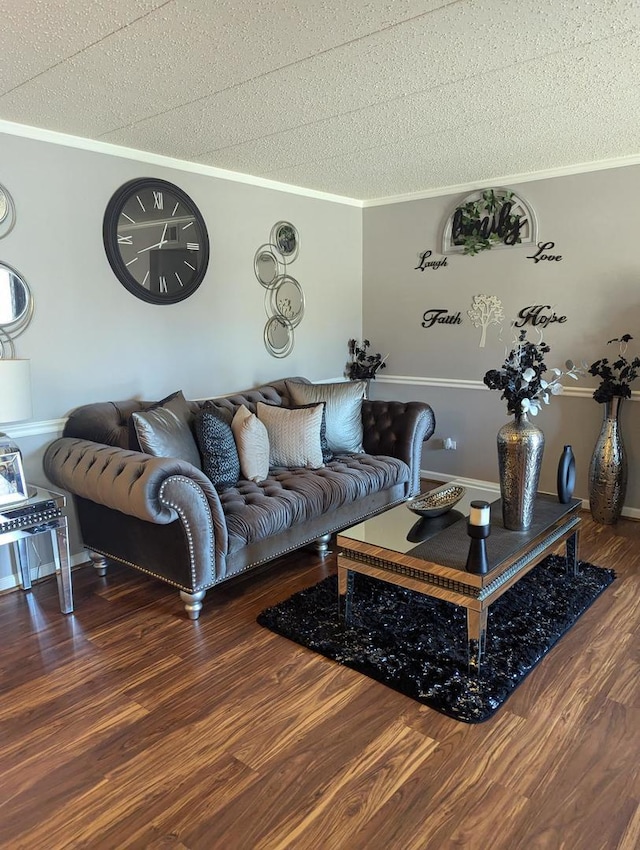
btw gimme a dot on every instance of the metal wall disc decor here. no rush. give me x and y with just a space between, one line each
16 308
7 212
278 336
287 299
268 265
285 237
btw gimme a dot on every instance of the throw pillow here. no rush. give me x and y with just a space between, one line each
343 410
252 442
327 454
294 434
165 431
134 443
220 461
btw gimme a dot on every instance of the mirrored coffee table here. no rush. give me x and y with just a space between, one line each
429 555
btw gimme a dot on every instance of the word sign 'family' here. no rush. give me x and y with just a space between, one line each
440 317
431 264
545 246
534 316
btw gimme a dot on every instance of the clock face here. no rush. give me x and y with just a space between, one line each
156 241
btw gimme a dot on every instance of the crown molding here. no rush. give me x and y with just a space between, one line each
96 146
509 180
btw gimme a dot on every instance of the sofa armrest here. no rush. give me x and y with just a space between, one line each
155 489
398 429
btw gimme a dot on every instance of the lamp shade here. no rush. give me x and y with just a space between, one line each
15 390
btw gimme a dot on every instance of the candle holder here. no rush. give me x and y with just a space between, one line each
478 529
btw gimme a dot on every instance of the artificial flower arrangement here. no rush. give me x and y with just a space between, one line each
521 377
363 366
616 377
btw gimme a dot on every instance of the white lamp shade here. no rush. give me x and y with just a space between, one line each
15 390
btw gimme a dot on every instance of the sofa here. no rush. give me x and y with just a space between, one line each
158 507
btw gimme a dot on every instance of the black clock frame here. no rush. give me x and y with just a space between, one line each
110 239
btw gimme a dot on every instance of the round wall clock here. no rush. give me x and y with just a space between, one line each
7 212
156 240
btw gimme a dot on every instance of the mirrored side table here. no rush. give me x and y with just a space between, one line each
42 513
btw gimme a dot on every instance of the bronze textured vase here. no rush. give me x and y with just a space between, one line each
608 468
520 450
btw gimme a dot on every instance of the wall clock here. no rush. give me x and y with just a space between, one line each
7 212
156 240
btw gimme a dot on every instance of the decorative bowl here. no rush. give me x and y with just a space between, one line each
437 502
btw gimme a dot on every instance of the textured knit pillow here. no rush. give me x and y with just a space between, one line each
327 454
220 461
252 443
165 431
294 434
343 410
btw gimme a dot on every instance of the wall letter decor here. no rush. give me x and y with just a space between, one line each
489 218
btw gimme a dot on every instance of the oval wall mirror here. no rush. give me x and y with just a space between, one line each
267 265
285 237
278 336
16 307
287 299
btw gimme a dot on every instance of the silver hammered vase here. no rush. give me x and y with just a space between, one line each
520 450
608 468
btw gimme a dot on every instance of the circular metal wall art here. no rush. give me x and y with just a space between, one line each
285 237
268 265
7 212
286 299
278 336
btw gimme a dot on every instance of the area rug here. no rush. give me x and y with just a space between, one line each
417 645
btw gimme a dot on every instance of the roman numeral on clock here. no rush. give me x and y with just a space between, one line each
158 202
162 283
193 246
125 240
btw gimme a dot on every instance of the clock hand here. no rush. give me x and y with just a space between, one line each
157 244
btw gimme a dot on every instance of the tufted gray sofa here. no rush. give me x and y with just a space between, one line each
164 517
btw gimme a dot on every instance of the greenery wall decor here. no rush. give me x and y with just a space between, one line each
487 218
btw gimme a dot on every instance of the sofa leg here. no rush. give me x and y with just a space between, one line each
99 563
193 602
322 545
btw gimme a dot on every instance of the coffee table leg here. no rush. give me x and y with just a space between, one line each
572 554
476 638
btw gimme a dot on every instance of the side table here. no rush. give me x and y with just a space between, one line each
43 512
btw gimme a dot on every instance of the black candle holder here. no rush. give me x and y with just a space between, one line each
477 561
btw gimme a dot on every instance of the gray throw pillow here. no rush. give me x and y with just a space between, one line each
220 461
343 410
165 431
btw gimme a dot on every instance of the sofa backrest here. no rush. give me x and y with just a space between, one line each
108 421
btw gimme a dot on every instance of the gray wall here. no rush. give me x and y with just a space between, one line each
593 220
90 339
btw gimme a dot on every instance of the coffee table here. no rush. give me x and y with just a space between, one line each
429 555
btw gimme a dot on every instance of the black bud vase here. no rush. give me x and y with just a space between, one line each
566 475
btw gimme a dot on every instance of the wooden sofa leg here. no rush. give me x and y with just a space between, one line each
99 563
322 545
193 603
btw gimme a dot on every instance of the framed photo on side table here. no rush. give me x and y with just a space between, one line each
13 487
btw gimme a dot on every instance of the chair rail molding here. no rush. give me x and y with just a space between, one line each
464 384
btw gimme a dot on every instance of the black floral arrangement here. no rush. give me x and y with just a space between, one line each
521 377
363 366
616 377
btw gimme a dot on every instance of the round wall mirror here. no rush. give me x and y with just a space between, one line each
267 265
16 307
287 299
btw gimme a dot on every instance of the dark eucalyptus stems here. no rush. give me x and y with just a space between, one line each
615 378
363 366
521 377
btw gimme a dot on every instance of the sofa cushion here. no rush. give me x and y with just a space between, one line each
343 410
294 434
254 511
252 442
220 461
165 430
327 454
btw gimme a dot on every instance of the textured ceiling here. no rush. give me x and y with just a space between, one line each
366 99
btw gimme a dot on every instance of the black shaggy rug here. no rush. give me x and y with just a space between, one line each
417 644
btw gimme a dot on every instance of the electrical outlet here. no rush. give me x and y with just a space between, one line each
449 444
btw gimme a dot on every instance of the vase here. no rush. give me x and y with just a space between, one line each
608 468
566 480
520 450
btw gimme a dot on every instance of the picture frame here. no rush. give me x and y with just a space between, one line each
13 487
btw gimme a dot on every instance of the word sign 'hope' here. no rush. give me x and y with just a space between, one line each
545 246
534 316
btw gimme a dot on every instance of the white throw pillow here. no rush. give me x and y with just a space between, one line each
343 410
294 435
252 442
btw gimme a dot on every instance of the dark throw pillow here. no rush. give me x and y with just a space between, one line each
220 461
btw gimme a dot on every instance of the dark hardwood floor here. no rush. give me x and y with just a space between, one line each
125 725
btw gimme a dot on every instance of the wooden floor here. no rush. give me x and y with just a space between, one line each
125 725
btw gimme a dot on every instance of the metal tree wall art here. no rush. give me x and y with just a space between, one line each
485 310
